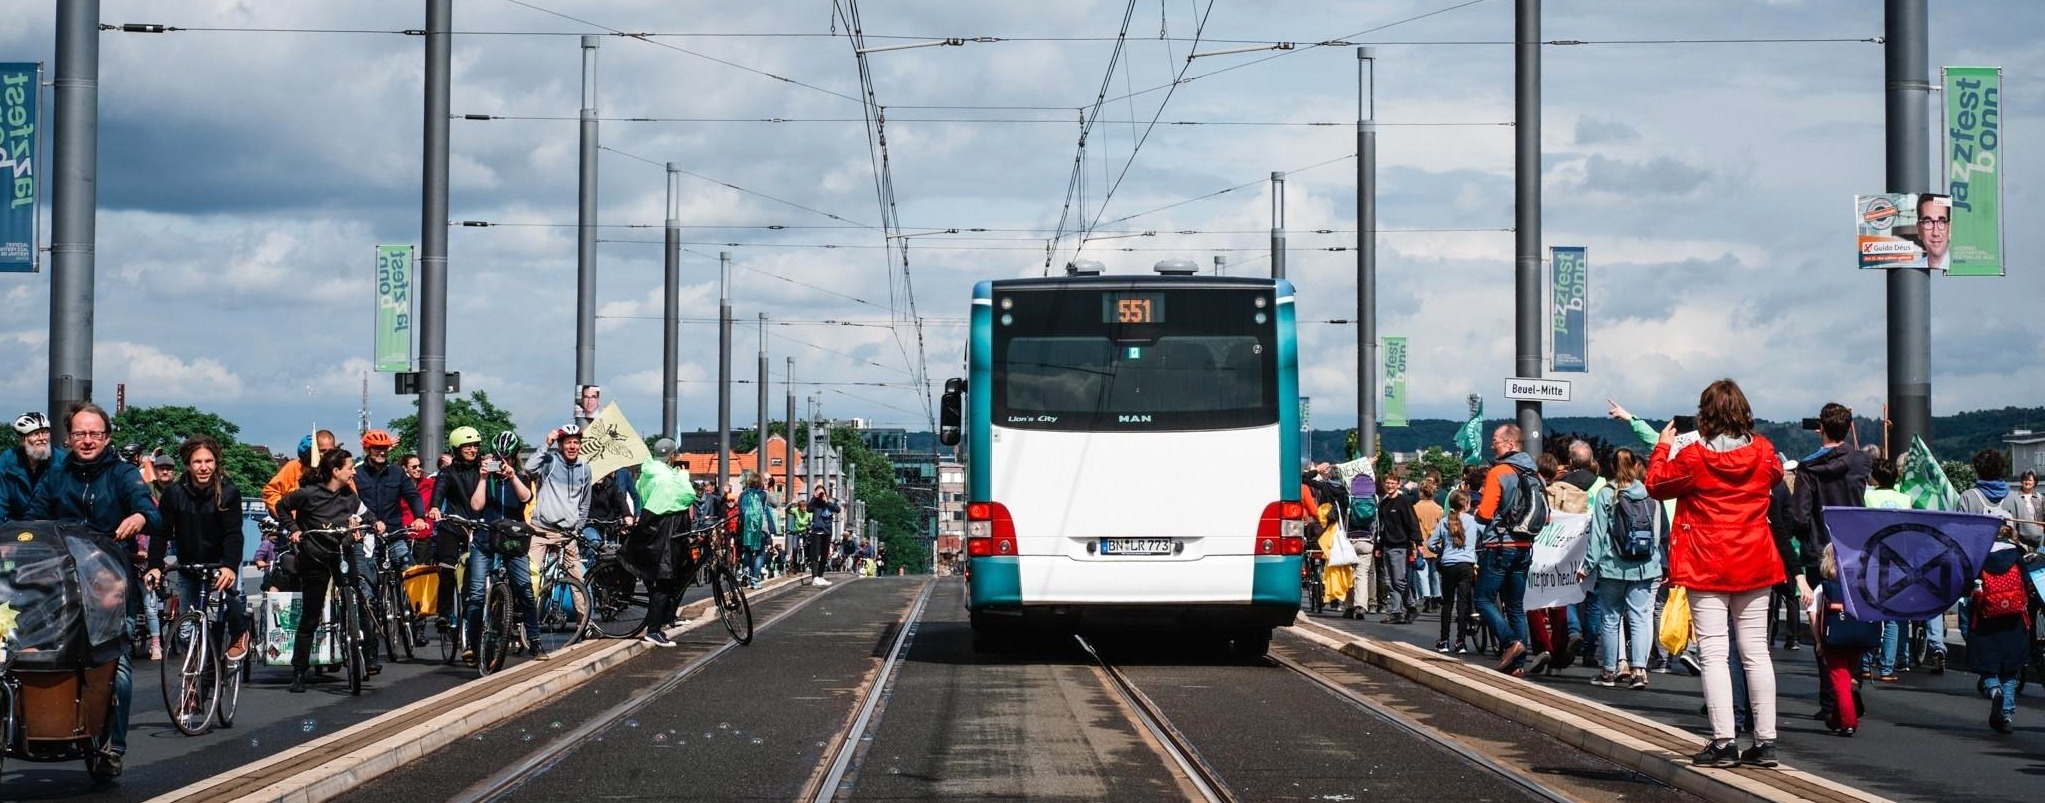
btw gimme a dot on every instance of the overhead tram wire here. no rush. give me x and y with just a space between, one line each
987 120
1074 183
1198 29
729 185
706 57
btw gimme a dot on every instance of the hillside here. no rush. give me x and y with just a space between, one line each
1954 437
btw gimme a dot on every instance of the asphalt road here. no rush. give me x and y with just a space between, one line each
1925 737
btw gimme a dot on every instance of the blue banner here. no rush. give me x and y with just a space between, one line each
1570 312
1906 565
19 89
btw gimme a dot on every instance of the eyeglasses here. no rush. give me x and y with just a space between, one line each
82 435
1935 222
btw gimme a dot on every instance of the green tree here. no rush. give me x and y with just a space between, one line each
475 411
1450 466
1960 473
166 427
902 525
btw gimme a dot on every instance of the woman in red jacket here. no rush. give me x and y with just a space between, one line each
1722 551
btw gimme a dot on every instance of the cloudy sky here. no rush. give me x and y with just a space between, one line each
245 176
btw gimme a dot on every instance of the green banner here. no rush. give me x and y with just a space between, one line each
19 86
1974 170
393 308
1395 382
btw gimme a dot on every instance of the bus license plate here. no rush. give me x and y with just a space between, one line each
1136 546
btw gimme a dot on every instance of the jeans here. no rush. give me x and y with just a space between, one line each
1426 584
1397 576
755 559
1631 600
1935 633
1720 619
1457 579
2007 683
192 597
481 560
124 700
1502 582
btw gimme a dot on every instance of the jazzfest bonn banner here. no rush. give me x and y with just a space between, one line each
1974 169
1570 315
393 308
19 87
1395 382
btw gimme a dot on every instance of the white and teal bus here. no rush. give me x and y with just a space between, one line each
1132 456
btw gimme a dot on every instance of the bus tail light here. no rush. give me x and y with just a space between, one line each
990 533
1282 530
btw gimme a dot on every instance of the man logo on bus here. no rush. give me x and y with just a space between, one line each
1133 419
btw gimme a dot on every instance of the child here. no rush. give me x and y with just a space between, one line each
1841 641
1998 645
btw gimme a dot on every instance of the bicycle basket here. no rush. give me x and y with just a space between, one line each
509 538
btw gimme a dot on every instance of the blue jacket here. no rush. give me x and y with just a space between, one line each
1449 552
98 494
383 492
18 481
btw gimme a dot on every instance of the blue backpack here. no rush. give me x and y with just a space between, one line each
1633 525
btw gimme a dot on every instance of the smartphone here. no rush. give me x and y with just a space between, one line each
1685 423
1811 424
491 465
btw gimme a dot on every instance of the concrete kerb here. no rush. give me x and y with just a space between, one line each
526 685
1614 744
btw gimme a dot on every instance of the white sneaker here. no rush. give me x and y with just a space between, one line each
820 582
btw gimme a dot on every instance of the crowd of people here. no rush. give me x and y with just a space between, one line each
377 510
1704 517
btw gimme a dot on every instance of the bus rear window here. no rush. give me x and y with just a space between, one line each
1060 364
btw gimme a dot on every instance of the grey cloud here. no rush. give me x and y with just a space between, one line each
1662 175
1596 131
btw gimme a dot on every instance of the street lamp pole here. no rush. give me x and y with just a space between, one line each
1366 254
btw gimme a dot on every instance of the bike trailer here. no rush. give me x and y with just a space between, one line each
63 623
276 626
422 584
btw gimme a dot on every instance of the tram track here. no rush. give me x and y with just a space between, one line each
840 773
1205 780
501 784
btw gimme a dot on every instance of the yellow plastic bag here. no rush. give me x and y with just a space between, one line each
1675 633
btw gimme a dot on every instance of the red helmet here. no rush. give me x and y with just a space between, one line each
378 438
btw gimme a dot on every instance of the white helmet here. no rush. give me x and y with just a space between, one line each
31 421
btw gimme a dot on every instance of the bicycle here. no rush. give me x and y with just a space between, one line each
347 625
619 601
204 688
390 606
564 601
498 632
1313 580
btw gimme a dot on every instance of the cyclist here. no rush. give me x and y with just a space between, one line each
94 488
652 551
202 516
23 466
327 502
389 493
288 476
452 489
499 493
562 499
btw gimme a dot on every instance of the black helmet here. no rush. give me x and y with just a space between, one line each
130 452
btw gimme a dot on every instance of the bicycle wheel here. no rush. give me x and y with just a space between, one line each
732 608
564 612
228 696
353 640
617 601
498 629
399 625
189 684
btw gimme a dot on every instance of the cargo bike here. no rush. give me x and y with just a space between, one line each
64 592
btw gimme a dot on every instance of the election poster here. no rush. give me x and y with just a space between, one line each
1888 231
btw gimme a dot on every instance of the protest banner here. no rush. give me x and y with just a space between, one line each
1559 554
610 443
1906 565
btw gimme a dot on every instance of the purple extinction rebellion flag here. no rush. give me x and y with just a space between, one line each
1902 565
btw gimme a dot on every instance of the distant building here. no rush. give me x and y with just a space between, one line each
2027 451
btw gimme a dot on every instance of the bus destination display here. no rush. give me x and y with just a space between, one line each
1127 308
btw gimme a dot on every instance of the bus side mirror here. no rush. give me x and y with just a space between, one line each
948 412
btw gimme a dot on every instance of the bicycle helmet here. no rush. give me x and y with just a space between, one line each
506 443
571 431
130 451
31 422
463 436
377 438
305 447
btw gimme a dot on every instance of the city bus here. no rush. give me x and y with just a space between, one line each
1132 457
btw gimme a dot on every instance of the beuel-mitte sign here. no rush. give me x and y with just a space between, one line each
1545 390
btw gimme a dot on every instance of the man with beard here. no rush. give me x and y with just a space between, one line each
23 466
